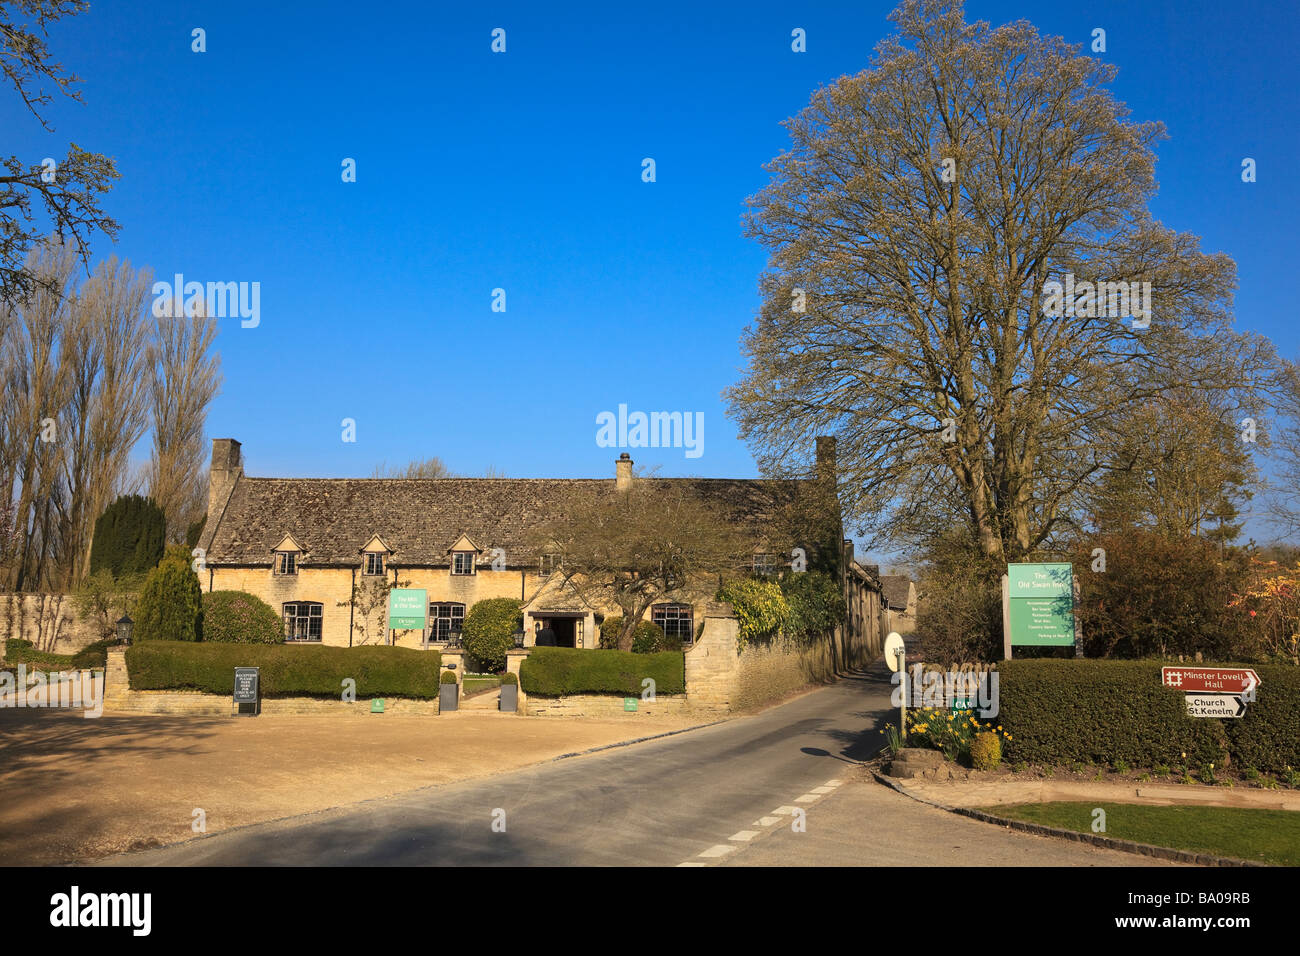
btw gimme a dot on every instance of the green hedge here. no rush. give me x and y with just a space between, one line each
556 671
237 617
286 671
1104 711
91 656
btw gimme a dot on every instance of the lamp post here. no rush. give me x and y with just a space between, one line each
124 626
519 638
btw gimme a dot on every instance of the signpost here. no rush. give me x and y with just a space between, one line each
1038 607
896 659
1213 691
408 609
247 699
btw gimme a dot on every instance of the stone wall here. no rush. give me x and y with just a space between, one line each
120 699
606 705
49 621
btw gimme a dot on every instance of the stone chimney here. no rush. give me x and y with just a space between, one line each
222 475
623 472
826 458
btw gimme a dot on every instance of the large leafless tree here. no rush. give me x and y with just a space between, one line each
914 225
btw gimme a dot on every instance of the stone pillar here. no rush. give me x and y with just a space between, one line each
713 663
514 660
117 685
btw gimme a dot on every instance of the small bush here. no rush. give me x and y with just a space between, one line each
171 602
489 631
986 751
556 671
511 679
448 677
649 639
285 670
816 603
236 617
610 628
90 657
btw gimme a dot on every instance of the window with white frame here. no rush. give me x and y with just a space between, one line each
462 562
677 621
302 621
286 562
374 563
445 620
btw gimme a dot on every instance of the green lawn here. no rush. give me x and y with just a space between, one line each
1270 836
472 685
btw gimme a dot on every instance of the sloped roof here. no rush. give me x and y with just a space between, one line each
420 518
894 589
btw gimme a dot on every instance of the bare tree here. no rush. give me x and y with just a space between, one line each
914 227
106 353
426 468
68 191
185 379
653 541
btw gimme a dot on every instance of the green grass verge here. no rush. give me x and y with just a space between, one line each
90 657
1269 836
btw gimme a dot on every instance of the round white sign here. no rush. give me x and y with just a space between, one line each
894 651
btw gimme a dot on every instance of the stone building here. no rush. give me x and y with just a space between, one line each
322 551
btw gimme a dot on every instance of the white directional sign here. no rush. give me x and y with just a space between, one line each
1215 705
894 651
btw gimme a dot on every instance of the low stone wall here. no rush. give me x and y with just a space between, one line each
49 621
120 699
606 705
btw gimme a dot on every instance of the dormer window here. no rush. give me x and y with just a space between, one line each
462 562
374 563
286 556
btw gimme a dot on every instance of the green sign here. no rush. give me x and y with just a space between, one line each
377 706
407 608
629 703
1041 604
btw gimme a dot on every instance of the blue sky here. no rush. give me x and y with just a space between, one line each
522 171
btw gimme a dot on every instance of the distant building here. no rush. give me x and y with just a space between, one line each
898 594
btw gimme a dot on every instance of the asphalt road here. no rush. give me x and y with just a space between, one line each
781 787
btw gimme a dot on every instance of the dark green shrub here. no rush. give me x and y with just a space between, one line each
448 677
489 631
1268 736
511 679
129 537
285 670
171 602
236 617
985 751
556 671
1101 711
649 639
91 656
610 628
816 603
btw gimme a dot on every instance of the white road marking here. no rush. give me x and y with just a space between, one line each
716 851
808 798
766 821
692 863
821 790
744 836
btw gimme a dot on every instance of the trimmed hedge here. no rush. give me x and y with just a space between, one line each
237 617
285 671
90 657
556 671
1104 711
